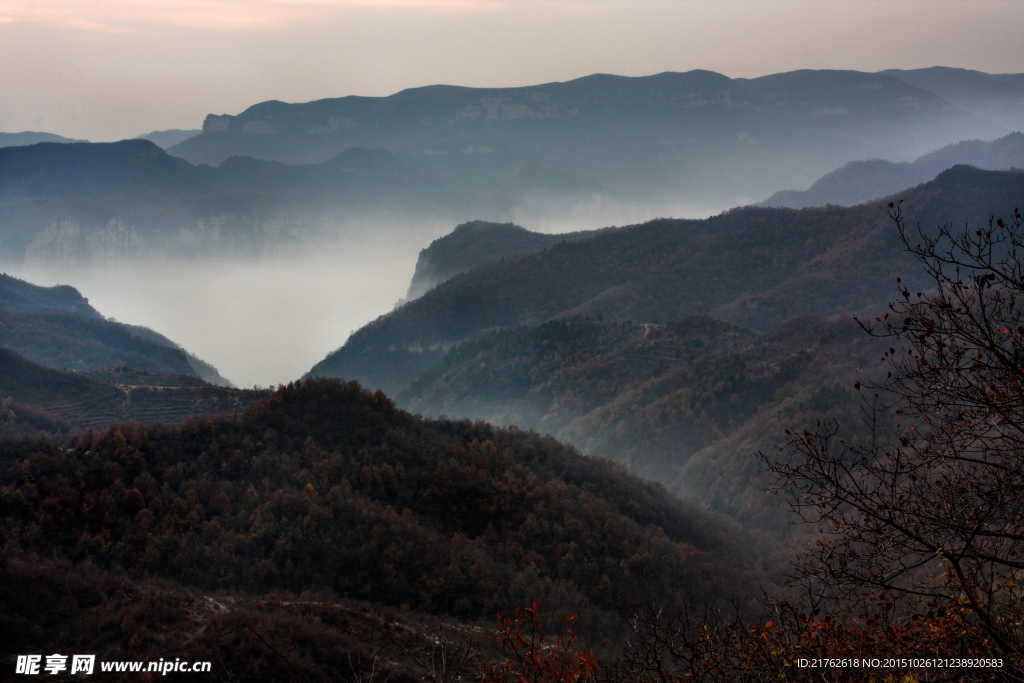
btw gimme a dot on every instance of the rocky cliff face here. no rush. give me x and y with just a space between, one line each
475 243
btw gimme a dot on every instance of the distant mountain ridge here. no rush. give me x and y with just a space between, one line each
30 137
169 138
996 97
653 139
599 150
75 203
861 181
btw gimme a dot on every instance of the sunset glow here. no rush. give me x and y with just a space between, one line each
105 70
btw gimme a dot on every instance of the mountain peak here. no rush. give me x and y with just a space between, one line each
19 295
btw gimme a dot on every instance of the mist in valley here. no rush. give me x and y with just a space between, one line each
260 320
267 319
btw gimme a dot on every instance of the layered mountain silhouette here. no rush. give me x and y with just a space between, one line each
752 267
168 138
595 151
996 97
103 202
30 137
678 133
679 348
246 531
861 181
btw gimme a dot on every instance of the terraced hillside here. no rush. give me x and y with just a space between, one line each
80 400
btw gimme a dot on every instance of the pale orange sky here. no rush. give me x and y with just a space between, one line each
105 70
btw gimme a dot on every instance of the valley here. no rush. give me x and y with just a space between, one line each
444 365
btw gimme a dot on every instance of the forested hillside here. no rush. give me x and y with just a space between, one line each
64 340
753 267
56 327
63 366
323 486
686 402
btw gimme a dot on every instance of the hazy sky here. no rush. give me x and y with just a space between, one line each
105 70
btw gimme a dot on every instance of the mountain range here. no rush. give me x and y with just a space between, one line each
30 137
162 138
643 139
106 202
679 348
861 181
753 267
996 97
595 151
431 467
168 138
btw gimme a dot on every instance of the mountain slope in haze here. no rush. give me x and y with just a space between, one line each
168 138
97 398
324 486
861 181
104 202
63 340
996 97
475 243
687 402
56 326
670 139
29 137
752 267
583 380
206 371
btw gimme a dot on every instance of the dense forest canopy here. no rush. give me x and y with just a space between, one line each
324 485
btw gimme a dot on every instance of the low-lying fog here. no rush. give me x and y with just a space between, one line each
267 320
262 320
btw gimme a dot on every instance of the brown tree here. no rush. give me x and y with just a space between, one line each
928 513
